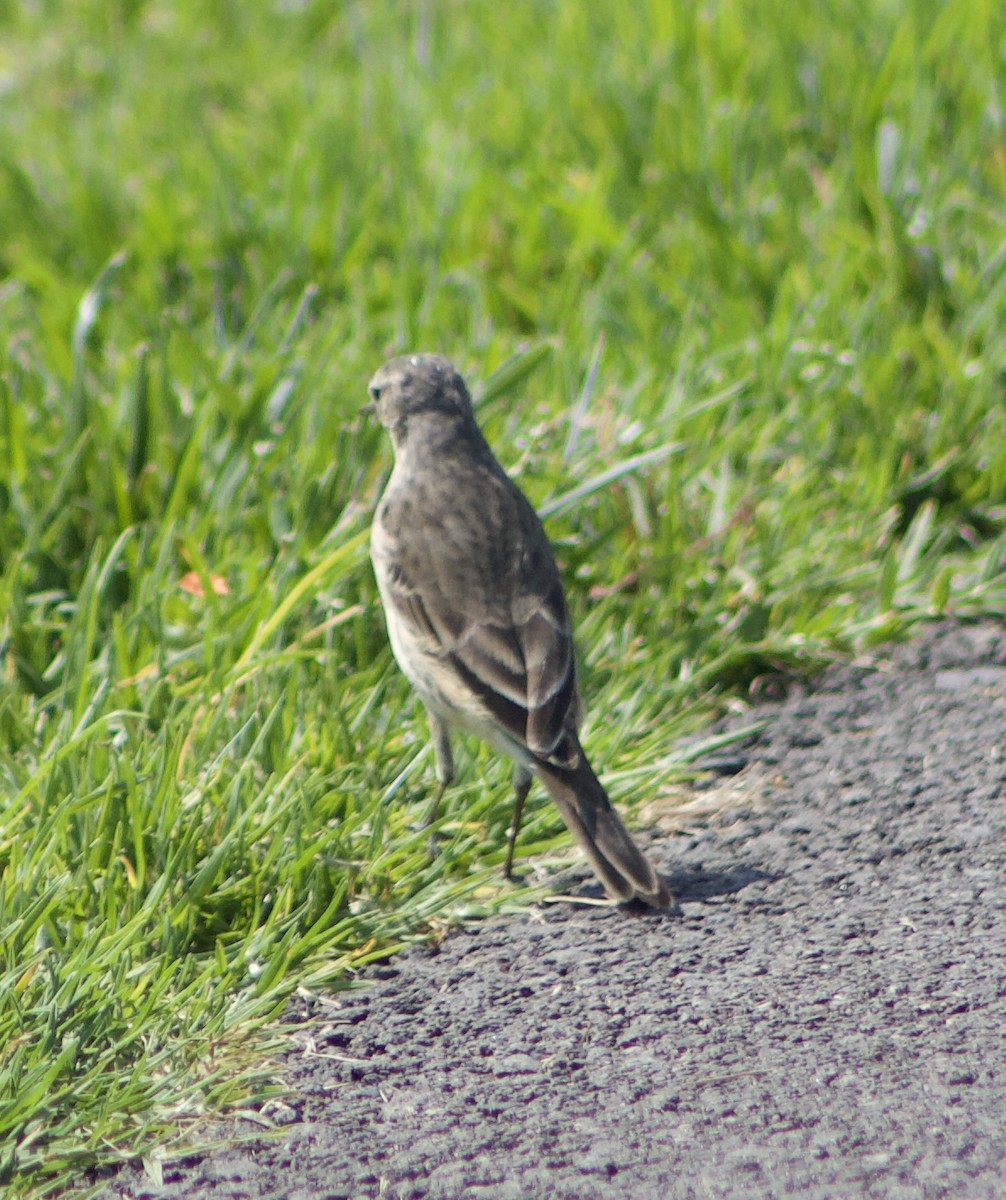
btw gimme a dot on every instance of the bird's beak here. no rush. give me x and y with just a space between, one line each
370 409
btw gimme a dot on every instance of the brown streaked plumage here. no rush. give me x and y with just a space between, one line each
477 616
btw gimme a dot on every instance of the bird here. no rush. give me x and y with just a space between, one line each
477 616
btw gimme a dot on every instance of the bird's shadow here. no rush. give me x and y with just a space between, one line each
695 886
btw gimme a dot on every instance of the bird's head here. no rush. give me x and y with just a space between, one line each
419 388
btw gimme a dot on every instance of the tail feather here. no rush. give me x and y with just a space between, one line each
616 859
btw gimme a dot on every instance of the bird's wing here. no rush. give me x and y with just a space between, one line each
502 626
524 672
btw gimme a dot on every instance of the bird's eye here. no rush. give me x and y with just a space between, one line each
375 392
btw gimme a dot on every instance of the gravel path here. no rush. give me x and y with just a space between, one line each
826 1017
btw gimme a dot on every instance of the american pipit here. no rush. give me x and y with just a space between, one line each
476 613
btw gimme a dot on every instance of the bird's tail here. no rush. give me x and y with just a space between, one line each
617 861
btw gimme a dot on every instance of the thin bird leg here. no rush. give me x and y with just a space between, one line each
431 812
521 787
445 764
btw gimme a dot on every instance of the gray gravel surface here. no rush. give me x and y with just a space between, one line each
825 1018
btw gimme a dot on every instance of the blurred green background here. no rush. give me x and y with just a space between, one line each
728 281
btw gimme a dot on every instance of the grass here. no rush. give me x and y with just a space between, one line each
732 281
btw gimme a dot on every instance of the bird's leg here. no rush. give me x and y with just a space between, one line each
521 787
445 772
